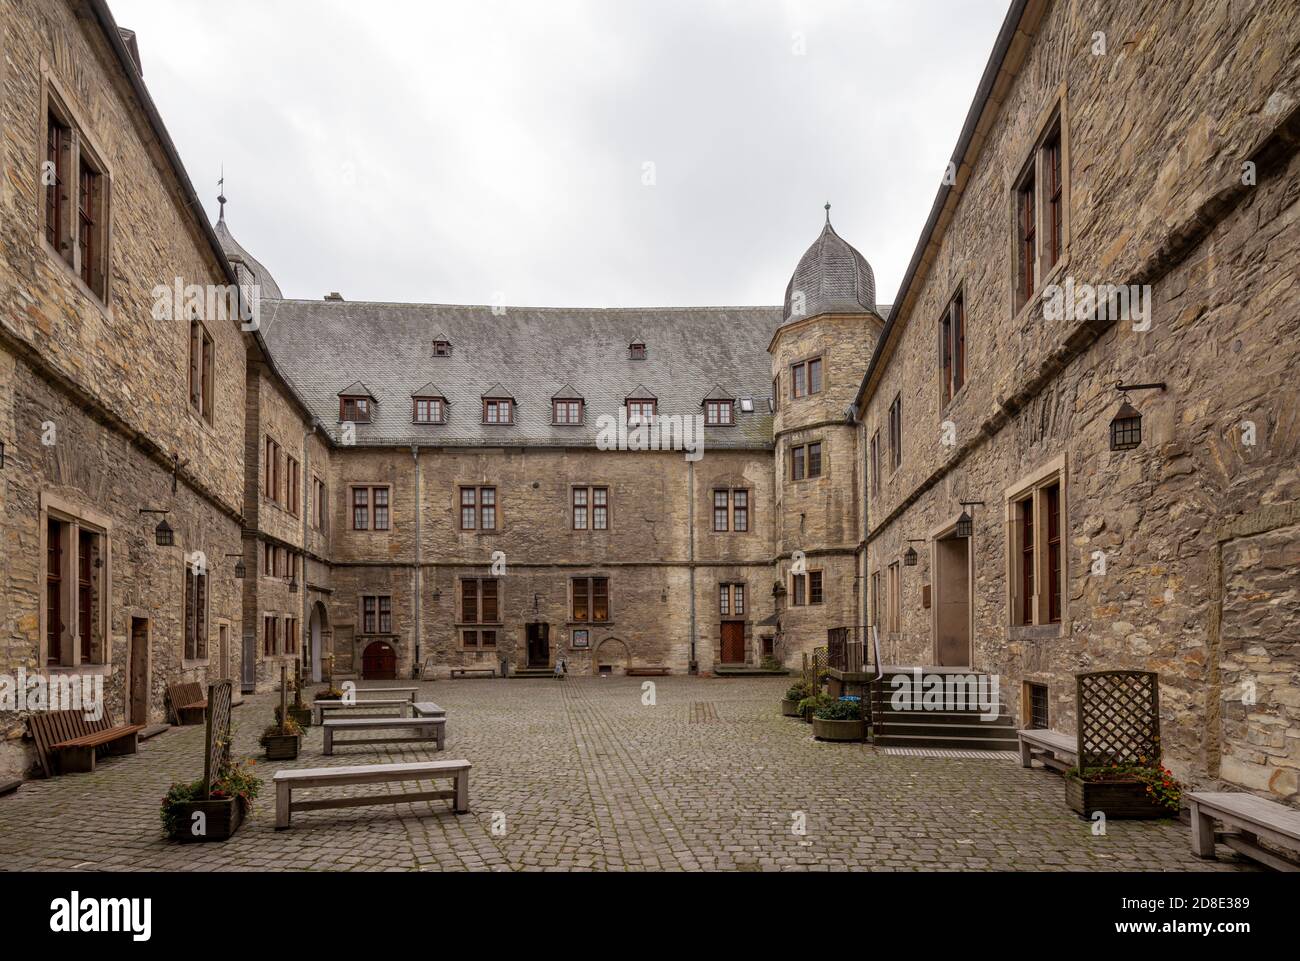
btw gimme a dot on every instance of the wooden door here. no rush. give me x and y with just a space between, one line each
733 642
539 645
379 662
139 707
952 603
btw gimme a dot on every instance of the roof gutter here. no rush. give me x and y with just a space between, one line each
1001 46
191 198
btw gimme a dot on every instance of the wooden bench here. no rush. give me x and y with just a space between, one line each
187 702
66 742
417 730
287 781
427 709
656 670
1055 750
467 671
385 706
1254 818
410 692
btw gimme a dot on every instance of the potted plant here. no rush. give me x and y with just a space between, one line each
809 705
790 703
1123 791
297 710
839 721
282 739
329 693
186 817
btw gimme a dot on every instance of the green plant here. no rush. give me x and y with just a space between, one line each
770 664
815 703
1161 786
839 711
277 729
233 781
798 691
331 693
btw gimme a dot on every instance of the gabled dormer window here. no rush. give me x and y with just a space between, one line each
567 411
429 410
636 350
718 413
354 409
498 410
640 410
442 348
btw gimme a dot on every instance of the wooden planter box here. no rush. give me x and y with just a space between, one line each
789 708
282 747
302 715
839 730
222 819
1115 799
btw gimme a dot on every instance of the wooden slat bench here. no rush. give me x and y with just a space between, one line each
467 671
66 742
654 670
380 707
1057 751
1254 817
187 702
416 730
287 781
409 692
427 709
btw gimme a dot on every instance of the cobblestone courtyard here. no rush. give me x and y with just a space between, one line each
583 776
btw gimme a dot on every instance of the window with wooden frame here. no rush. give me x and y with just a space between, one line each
874 600
354 410
636 350
370 508
478 640
75 603
895 598
270 635
1036 521
566 412
719 413
590 599
293 487
896 432
196 614
268 560
731 510
1036 713
731 600
1040 198
591 508
442 348
814 587
806 378
640 410
319 500
952 347
806 461
478 508
480 600
75 225
271 470
875 462
498 410
798 590
291 635
428 410
202 354
776 393
376 614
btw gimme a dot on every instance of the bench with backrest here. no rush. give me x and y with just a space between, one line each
427 709
67 742
652 670
467 671
1254 818
288 781
187 702
408 692
408 730
1055 750
380 707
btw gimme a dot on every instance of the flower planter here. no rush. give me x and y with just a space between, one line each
221 819
789 708
302 715
839 730
282 747
1115 799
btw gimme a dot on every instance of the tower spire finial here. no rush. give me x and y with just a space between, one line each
221 194
828 212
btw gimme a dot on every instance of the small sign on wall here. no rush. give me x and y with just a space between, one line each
925 596
581 639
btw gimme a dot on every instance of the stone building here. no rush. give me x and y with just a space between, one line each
1153 148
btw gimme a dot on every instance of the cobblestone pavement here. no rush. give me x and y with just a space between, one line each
581 775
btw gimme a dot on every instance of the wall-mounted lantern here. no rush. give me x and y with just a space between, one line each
162 534
965 523
1126 425
293 584
909 556
240 570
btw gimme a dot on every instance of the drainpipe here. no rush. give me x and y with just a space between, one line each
690 525
415 598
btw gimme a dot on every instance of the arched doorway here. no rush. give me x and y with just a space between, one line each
318 633
379 662
611 657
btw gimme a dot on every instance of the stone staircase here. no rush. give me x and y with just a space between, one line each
938 722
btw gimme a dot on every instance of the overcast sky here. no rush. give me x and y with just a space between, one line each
497 150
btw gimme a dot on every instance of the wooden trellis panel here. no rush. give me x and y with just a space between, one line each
217 754
1119 718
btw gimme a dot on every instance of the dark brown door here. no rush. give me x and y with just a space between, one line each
733 642
539 645
952 602
139 670
379 662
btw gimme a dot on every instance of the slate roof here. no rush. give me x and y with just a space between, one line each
833 277
323 346
248 268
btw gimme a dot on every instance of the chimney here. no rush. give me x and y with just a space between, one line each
334 296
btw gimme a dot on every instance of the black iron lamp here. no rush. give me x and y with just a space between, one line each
162 534
293 583
240 570
1126 425
965 523
909 556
